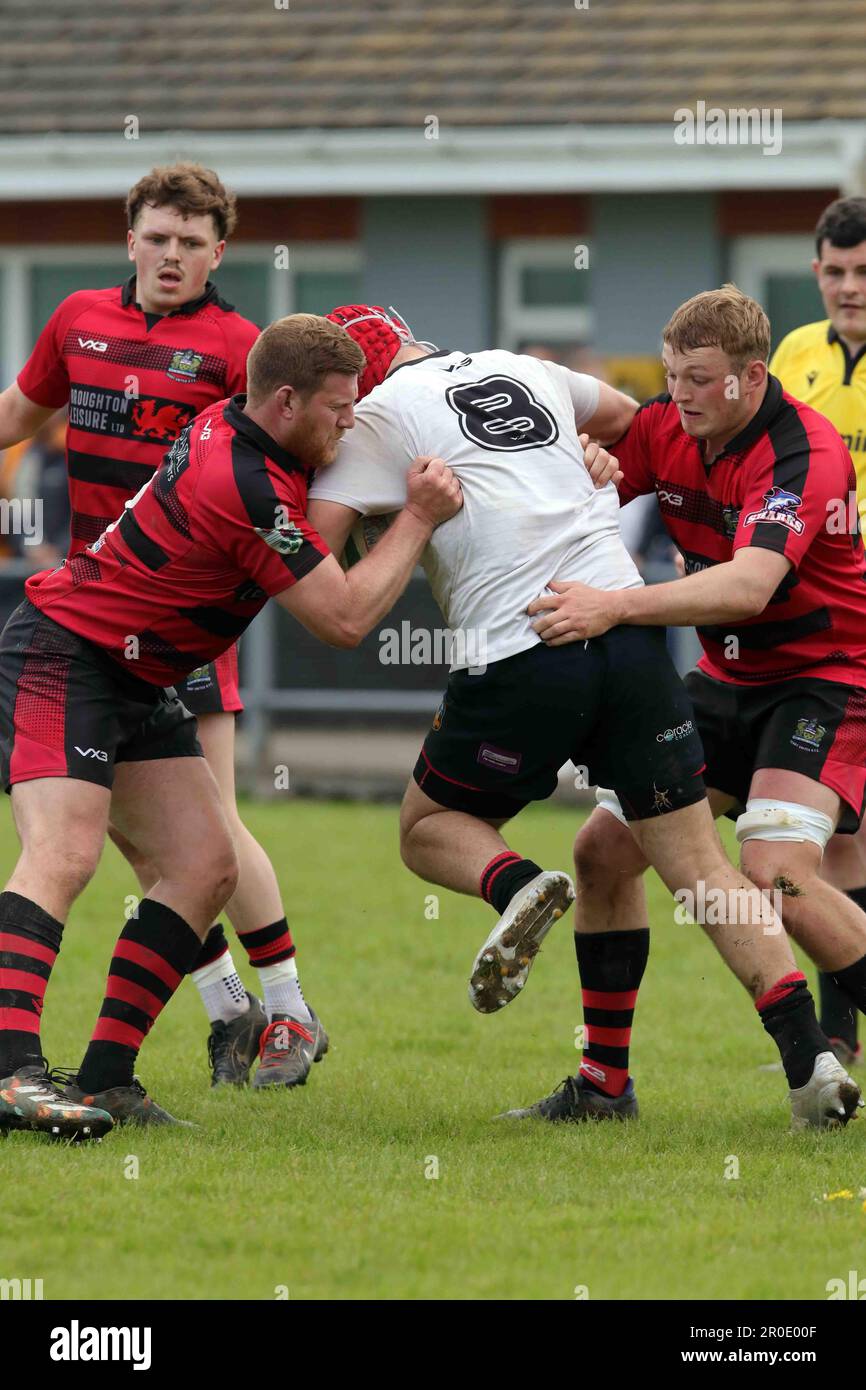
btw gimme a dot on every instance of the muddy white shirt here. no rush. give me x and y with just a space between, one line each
507 425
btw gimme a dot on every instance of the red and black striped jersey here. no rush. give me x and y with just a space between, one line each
132 381
195 555
785 483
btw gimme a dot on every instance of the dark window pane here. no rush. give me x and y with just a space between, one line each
790 301
318 291
51 283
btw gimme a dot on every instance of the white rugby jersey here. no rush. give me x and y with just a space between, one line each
507 425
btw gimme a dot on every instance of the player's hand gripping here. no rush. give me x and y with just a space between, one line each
433 494
573 612
602 467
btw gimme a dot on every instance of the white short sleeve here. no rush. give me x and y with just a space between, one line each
582 390
373 459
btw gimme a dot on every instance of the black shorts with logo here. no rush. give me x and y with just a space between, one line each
214 688
614 705
68 710
810 726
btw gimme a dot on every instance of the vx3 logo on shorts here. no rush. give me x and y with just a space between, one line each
92 753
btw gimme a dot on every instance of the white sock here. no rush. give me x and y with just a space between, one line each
282 991
221 989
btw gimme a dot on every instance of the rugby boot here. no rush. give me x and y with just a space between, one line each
573 1101
288 1049
31 1099
502 965
128 1105
828 1100
233 1047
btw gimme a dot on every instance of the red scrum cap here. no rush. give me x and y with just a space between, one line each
380 334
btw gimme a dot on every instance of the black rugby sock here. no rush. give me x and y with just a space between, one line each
611 966
504 876
788 1013
29 943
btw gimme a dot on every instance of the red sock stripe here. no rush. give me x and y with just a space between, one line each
500 861
131 993
604 999
780 989
22 979
607 1037
612 1080
148 960
25 946
19 1021
261 955
112 1030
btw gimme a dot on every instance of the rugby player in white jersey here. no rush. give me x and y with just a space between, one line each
516 710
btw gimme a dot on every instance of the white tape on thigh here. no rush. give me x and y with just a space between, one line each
607 798
765 819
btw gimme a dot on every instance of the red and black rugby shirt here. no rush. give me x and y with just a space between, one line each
132 381
174 582
785 483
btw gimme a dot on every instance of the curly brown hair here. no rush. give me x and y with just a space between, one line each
191 189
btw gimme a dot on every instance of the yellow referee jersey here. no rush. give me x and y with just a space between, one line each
814 365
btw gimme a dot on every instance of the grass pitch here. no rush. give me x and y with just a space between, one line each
331 1191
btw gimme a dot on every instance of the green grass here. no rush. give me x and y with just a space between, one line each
324 1191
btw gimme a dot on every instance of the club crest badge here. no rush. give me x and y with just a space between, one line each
184 365
808 734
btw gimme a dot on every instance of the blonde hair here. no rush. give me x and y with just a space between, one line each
726 319
300 351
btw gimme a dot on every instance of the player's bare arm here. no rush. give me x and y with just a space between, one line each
612 416
741 588
342 608
333 521
20 417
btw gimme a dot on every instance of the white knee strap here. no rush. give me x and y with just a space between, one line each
765 819
609 800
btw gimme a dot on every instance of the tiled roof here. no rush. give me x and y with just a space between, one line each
243 65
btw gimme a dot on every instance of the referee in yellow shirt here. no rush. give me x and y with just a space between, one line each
824 364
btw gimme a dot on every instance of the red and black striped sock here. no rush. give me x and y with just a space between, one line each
153 953
504 876
213 946
268 945
788 1013
611 966
843 992
29 943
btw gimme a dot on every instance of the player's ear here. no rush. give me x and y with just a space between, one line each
756 374
218 252
287 400
130 244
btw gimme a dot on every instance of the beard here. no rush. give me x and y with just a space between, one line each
312 448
